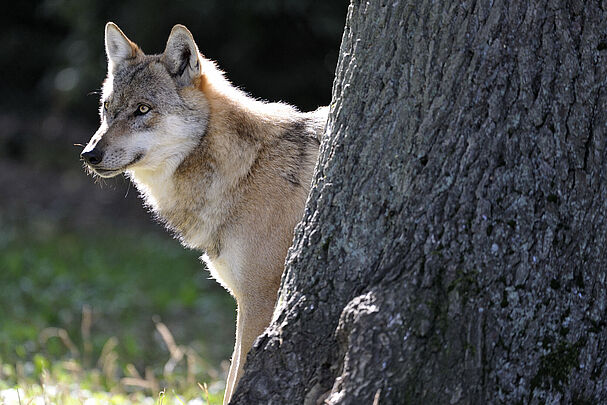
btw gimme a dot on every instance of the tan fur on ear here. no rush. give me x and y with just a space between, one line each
118 47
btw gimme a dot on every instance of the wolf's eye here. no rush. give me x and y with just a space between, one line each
142 109
106 105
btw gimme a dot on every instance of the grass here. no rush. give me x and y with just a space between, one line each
113 316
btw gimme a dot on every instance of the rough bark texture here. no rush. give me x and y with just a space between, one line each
452 249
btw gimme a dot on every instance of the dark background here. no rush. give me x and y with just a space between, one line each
69 241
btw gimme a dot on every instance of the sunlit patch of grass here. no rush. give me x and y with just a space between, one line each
73 395
67 382
101 318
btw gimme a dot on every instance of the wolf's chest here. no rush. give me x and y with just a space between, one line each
191 211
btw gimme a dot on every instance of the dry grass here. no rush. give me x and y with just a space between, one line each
41 382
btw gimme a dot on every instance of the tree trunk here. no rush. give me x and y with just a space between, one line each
452 248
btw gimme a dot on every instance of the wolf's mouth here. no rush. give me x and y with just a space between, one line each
107 173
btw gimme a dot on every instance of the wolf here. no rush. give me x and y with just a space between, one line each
228 174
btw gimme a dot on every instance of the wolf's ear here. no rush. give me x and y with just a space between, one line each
181 56
118 47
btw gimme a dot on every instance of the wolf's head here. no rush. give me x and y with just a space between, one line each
151 113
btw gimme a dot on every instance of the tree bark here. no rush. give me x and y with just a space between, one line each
452 250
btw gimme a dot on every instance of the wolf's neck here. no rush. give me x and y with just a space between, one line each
155 186
180 199
197 196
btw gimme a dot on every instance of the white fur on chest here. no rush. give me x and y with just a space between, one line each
156 188
226 269
161 196
159 192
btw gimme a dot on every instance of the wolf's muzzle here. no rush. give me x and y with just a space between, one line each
92 157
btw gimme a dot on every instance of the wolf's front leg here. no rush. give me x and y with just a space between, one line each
254 315
234 365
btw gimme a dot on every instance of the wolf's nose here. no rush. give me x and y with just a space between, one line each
93 156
